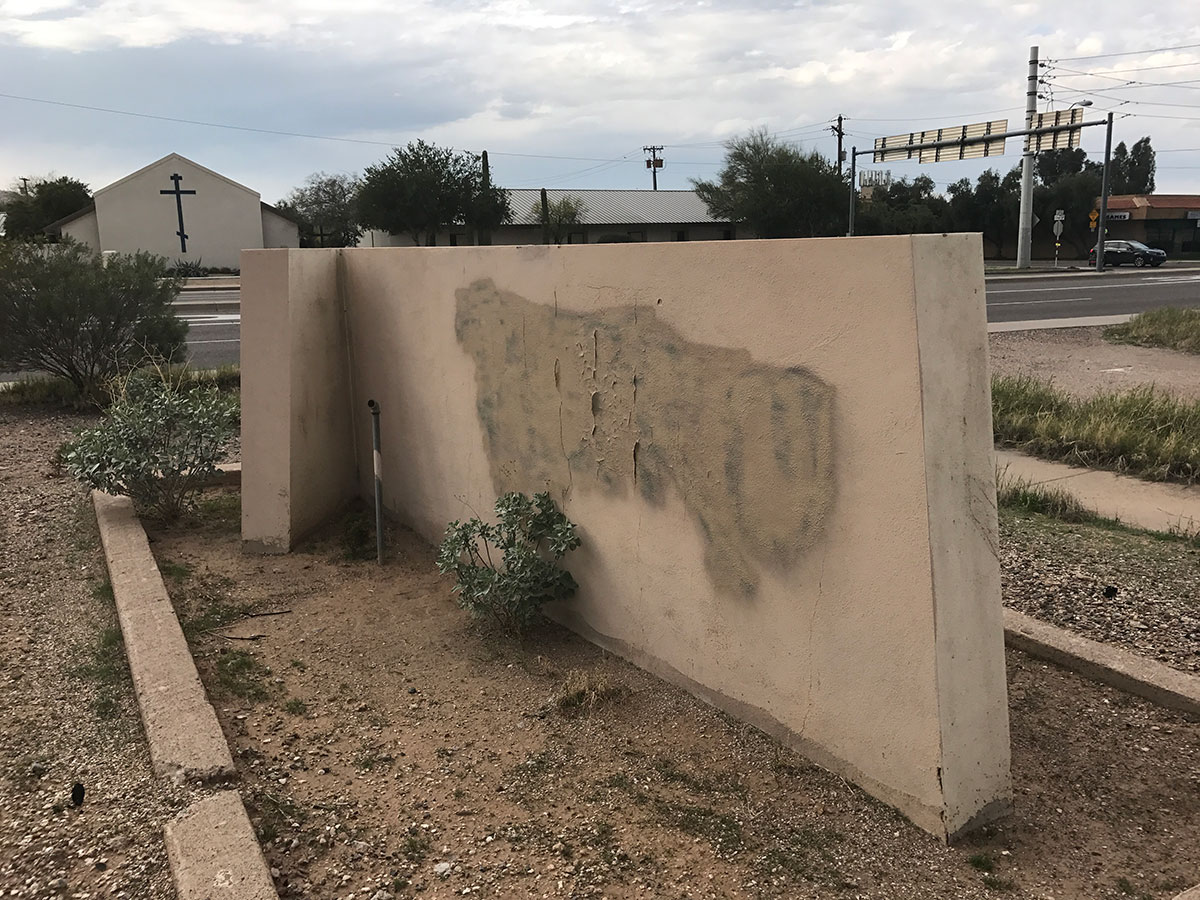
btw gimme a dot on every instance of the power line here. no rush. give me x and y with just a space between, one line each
1188 84
986 112
1133 69
1125 53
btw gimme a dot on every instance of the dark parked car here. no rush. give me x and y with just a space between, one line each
1118 252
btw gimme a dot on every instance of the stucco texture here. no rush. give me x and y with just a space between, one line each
777 454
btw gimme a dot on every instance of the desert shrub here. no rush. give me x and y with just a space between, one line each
1177 329
505 572
158 444
188 268
66 312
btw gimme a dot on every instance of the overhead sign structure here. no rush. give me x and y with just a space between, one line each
1055 140
874 178
908 146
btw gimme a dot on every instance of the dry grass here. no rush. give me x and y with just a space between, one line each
1144 431
583 692
1175 329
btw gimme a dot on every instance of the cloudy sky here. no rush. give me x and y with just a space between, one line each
565 94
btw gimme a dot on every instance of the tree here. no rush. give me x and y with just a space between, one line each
776 189
44 203
423 188
561 215
1075 195
1051 165
1133 169
904 207
325 207
992 207
65 311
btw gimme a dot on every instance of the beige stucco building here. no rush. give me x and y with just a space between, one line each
179 209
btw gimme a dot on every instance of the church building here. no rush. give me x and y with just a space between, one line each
178 209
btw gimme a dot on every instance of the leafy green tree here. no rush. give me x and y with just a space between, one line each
65 311
903 207
423 188
1075 195
326 208
561 214
777 189
991 206
1051 165
1133 169
46 201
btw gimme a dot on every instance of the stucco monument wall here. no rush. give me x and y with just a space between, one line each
778 454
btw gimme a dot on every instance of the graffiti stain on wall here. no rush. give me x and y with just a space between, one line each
618 401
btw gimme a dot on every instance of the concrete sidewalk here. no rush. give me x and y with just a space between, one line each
1142 504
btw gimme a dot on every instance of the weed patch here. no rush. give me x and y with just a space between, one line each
295 707
584 692
1145 431
107 669
982 862
240 673
1173 328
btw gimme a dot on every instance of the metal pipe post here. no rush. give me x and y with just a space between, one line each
378 458
853 189
1101 225
1025 226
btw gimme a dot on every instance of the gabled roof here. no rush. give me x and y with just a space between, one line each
616 207
287 217
1154 201
176 156
56 227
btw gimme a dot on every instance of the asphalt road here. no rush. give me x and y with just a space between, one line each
1025 298
213 330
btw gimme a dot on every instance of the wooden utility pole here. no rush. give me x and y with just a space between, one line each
654 163
837 129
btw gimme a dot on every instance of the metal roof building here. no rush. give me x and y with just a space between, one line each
616 207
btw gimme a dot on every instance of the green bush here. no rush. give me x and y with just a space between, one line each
66 312
506 571
158 444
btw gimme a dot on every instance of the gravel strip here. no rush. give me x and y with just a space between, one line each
67 712
1060 573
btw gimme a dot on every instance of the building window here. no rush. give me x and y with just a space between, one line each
679 235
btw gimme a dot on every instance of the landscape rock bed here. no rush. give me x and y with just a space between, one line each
67 710
1137 592
391 750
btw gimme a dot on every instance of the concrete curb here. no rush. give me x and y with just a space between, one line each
186 742
213 852
211 845
1048 324
1190 894
1126 671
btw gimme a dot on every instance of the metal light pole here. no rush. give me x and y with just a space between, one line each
1025 228
1101 226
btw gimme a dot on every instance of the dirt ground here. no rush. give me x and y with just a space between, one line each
390 749
1081 362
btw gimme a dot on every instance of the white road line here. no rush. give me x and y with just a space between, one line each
1085 287
1036 302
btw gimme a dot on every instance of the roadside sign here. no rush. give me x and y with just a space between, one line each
1058 228
1118 216
1094 215
1060 215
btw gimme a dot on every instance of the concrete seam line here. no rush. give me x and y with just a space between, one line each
213 851
1146 678
184 736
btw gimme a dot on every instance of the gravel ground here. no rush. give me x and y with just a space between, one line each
1059 573
1081 362
67 711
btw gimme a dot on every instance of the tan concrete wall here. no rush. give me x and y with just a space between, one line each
221 218
84 230
778 455
298 455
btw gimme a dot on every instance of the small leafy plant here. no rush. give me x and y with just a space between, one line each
507 571
158 444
